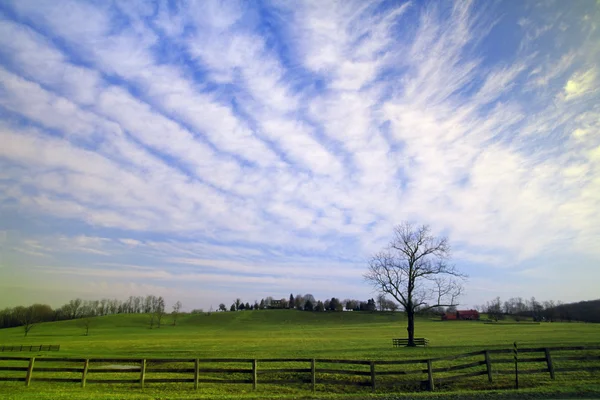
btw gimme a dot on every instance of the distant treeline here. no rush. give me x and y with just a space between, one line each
307 302
585 311
78 308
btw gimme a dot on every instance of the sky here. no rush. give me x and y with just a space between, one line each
209 150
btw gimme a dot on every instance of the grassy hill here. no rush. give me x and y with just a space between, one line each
287 333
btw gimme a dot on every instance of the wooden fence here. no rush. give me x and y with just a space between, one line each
427 373
41 347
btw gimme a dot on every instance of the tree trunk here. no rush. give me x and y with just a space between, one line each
411 328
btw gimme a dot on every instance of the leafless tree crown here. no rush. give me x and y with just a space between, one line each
415 269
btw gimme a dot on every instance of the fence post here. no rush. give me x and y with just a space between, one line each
430 376
40 348
549 362
86 365
254 367
516 355
196 373
373 376
488 365
29 371
313 374
142 372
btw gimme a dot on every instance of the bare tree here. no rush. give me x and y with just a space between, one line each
86 322
414 270
176 309
27 317
381 301
159 310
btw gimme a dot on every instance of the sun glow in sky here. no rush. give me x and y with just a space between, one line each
208 150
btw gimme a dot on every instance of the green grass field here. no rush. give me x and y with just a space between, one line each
278 334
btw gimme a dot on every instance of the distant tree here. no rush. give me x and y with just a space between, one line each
176 310
242 307
159 310
256 306
87 322
414 270
308 306
320 307
262 304
371 306
238 302
391 305
494 309
381 302
291 302
232 308
222 307
300 300
327 304
451 310
27 317
247 307
335 305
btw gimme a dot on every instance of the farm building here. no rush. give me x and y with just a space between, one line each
461 315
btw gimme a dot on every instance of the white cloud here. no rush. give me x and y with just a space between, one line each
204 138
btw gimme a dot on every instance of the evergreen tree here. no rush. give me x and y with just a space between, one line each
308 306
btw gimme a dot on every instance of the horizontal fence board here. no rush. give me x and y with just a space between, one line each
115 360
112 370
458 367
342 372
399 362
44 379
9 379
424 371
14 368
168 380
575 358
459 377
59 359
533 349
270 371
171 370
226 360
226 370
500 351
8 358
57 369
268 360
111 380
170 360
571 348
457 356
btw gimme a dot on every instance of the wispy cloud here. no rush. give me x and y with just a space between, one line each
278 145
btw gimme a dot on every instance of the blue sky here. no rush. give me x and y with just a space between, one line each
210 150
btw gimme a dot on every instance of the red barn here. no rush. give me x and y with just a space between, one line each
462 315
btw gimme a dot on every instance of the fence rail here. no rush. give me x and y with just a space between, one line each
41 347
423 372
